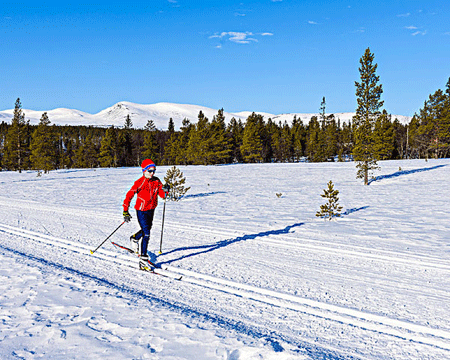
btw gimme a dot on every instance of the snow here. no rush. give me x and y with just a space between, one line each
160 113
263 277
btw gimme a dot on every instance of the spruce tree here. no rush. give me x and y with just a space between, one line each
43 146
368 95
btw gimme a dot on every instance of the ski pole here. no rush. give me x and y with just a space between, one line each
162 227
93 251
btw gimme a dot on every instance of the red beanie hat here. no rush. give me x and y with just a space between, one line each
148 164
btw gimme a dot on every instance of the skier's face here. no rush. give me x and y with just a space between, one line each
149 173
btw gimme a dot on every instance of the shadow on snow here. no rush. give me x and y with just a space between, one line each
202 249
403 172
349 211
203 194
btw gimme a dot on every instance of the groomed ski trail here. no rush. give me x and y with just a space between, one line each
352 317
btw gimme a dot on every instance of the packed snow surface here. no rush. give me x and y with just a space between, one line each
262 276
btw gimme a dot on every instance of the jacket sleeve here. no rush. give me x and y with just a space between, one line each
161 192
129 196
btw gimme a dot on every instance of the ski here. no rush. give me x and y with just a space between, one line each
152 268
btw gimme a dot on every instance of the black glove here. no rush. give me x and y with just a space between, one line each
126 216
166 188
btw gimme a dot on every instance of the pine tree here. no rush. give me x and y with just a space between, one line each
299 138
368 93
235 132
16 149
43 146
90 152
183 142
252 146
150 144
127 141
383 137
198 145
332 208
172 149
218 145
109 149
176 181
314 141
171 127
433 133
331 135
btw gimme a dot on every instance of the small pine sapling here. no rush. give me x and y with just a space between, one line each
174 178
332 208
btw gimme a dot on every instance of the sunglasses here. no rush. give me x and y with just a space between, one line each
151 171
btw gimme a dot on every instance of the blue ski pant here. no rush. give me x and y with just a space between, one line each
145 219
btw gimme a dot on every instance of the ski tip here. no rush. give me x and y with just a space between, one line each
160 252
91 251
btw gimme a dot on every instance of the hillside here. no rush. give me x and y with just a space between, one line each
160 113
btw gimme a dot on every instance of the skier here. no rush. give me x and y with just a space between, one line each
147 188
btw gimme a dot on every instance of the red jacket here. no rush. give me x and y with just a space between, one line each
147 191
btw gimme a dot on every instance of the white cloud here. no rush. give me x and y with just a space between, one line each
239 37
312 22
419 33
411 27
404 15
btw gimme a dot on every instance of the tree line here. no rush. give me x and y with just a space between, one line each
372 135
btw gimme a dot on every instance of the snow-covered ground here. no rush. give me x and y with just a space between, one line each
263 277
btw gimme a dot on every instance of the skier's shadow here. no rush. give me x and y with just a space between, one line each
203 249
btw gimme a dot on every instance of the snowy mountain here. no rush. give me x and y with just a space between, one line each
160 113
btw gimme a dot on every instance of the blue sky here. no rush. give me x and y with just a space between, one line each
276 56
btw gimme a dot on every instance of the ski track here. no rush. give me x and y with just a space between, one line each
283 238
352 317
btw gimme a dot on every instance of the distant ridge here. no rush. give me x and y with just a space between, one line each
160 113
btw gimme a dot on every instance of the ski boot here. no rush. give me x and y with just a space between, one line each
135 243
143 263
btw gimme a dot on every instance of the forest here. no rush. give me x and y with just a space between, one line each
46 147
